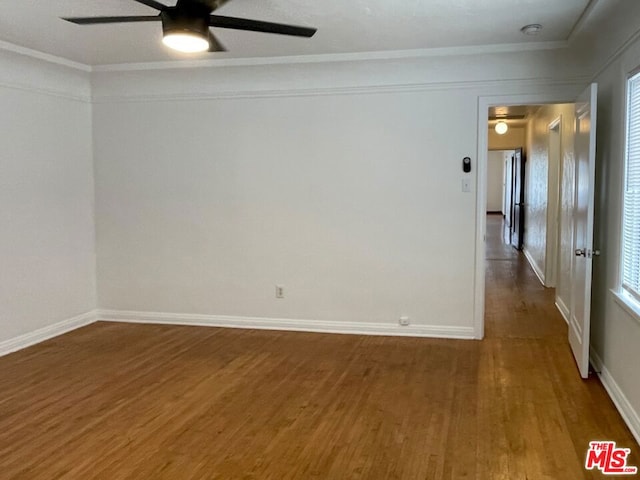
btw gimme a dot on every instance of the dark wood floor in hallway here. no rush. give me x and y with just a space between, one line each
124 401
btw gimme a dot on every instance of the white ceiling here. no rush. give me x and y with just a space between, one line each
343 27
511 114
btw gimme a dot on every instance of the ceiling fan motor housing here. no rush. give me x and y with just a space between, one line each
186 21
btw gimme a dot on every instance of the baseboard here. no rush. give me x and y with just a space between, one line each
261 323
536 269
45 333
627 412
564 310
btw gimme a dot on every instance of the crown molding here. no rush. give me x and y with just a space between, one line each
351 90
582 20
334 57
617 54
28 52
288 60
46 91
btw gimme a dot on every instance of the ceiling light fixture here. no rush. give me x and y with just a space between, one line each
501 128
185 42
533 29
184 32
186 25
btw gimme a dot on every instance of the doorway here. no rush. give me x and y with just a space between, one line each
498 199
535 184
575 187
520 250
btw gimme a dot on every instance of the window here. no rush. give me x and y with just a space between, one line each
631 205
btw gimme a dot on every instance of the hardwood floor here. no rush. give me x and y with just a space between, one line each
119 401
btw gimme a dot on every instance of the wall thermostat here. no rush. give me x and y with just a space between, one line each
466 164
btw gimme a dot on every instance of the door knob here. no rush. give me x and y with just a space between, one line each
580 252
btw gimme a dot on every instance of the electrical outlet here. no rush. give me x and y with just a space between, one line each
279 291
466 185
404 321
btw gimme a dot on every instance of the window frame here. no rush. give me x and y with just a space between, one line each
627 297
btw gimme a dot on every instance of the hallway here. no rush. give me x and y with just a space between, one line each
513 288
543 402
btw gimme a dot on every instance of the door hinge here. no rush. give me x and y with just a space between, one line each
587 252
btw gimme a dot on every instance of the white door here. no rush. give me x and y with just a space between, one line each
508 181
585 158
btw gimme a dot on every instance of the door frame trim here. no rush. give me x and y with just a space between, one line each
484 102
555 125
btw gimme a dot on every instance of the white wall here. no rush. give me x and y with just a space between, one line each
615 333
495 181
535 197
516 137
541 196
348 193
203 207
47 245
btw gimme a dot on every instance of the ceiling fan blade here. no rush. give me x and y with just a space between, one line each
259 26
152 4
211 5
214 44
98 20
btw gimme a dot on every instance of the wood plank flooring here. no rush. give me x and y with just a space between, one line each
118 401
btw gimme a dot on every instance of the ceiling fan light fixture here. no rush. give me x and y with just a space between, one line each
186 25
185 33
501 128
186 42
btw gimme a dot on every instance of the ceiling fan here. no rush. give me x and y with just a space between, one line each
185 26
